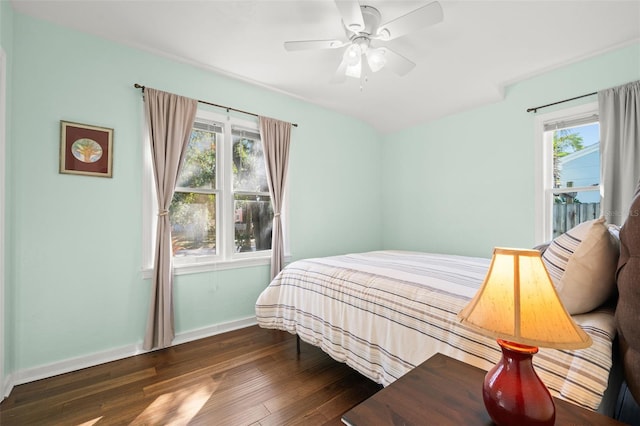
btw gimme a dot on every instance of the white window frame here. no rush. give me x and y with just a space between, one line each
543 164
225 257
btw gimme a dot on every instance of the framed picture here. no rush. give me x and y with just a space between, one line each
86 150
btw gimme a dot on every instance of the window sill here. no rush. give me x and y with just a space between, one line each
196 268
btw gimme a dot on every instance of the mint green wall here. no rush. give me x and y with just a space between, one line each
76 255
465 184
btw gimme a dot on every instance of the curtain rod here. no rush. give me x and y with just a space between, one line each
139 86
535 109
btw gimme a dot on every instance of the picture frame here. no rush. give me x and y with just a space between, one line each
86 150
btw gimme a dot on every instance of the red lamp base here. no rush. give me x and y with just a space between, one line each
513 393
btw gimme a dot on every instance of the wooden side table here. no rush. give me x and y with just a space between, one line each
445 391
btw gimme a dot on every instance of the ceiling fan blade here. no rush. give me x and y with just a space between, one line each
312 44
397 63
340 76
351 15
420 18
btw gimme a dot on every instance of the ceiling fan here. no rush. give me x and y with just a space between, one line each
364 31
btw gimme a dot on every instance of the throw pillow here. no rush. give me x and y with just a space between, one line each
582 265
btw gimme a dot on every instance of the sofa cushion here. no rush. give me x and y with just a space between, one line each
582 265
628 308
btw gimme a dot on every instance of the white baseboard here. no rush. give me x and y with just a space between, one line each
212 330
7 386
73 364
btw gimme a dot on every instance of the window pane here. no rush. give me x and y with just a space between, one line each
193 224
576 156
199 163
253 222
576 163
248 162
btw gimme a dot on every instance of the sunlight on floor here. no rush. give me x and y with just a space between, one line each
91 422
179 407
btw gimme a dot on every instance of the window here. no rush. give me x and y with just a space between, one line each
569 182
221 210
195 202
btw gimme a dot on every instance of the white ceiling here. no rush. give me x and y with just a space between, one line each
462 62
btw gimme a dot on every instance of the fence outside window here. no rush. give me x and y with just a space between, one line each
568 215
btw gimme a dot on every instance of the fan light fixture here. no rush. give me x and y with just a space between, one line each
354 70
352 58
376 59
353 54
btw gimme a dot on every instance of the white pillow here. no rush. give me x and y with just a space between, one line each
582 265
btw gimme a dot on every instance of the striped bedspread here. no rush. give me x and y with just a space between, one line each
385 312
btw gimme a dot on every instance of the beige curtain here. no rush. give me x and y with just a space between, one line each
619 111
276 137
169 121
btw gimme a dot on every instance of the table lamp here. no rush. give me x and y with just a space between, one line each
518 304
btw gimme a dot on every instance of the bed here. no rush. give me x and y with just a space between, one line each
385 312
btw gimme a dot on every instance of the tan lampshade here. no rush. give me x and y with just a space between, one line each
518 302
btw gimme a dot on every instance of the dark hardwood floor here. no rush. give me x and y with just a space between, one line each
245 377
